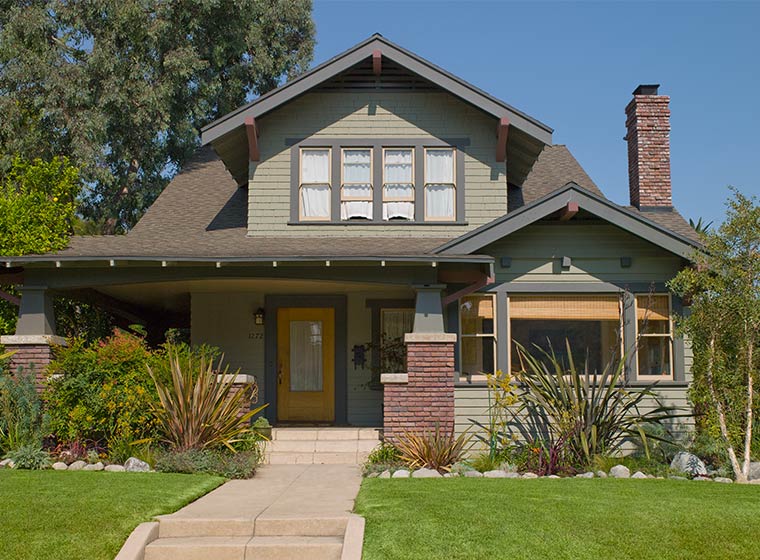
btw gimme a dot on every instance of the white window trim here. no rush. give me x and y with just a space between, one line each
301 184
425 184
494 335
343 183
668 335
403 198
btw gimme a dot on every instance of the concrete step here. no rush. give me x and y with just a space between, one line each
301 526
282 458
329 446
242 548
170 526
294 548
333 434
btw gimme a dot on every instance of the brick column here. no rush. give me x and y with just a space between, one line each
422 398
31 353
247 384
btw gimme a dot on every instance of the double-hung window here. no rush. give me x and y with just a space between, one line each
478 335
356 189
314 185
654 329
398 184
440 184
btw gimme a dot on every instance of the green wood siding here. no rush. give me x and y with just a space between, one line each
374 115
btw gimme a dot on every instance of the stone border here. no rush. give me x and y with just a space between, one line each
32 339
430 337
239 379
138 540
353 538
386 378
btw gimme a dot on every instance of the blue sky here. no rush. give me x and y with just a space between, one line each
574 66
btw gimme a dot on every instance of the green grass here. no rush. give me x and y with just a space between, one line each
559 519
85 515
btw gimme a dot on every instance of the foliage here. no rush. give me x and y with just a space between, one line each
261 422
385 456
723 289
489 461
123 87
29 456
432 449
700 226
568 415
198 409
502 394
23 421
220 462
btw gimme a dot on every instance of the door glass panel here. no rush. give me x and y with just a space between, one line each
306 355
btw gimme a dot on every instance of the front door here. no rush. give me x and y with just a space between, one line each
305 364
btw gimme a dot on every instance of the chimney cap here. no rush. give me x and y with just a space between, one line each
647 89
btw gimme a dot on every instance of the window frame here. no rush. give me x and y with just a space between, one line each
425 184
403 199
343 182
479 376
301 184
669 335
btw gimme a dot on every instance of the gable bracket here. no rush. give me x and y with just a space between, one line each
485 280
377 62
570 210
501 139
252 133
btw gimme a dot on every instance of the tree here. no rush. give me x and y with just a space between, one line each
123 87
724 326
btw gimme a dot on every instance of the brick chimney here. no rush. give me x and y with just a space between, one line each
648 124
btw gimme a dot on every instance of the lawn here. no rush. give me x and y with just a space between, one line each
559 519
73 515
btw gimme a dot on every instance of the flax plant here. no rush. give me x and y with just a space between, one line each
432 449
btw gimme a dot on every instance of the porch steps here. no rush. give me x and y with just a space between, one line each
336 446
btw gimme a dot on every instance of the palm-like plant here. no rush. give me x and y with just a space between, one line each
432 449
198 409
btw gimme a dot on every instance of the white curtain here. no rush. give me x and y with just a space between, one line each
355 209
397 210
439 166
315 201
315 166
356 167
398 166
306 355
439 201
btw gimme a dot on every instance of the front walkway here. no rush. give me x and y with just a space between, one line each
285 511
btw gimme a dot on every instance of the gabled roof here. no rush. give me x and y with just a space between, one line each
526 138
631 221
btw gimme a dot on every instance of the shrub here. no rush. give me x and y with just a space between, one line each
483 462
384 457
23 420
29 456
432 449
224 463
198 410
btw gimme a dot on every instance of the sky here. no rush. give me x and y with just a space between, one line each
573 66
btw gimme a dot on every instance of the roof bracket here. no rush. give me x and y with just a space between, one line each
485 280
377 62
253 139
501 139
569 211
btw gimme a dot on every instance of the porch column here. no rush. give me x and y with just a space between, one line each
423 397
35 334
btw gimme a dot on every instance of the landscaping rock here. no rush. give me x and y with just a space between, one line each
754 470
552 476
674 477
585 475
638 474
473 474
94 467
426 473
620 471
601 474
401 473
495 474
756 481
723 480
450 475
77 466
59 466
511 475
703 478
134 464
529 475
6 463
120 468
385 474
688 463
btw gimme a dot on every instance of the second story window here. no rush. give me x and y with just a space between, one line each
398 184
356 189
314 185
440 185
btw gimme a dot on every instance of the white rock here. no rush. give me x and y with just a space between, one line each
495 474
401 473
756 481
723 480
94 467
754 470
638 474
5 463
77 466
473 474
585 475
674 477
601 474
511 475
60 466
426 473
120 468
529 475
134 464
620 471
385 474
552 476
449 475
688 463
703 478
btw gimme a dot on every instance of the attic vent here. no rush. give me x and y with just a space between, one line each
361 77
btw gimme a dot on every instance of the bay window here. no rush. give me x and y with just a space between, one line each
314 184
477 329
440 185
398 184
654 332
356 188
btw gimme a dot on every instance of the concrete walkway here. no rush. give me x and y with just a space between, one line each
285 511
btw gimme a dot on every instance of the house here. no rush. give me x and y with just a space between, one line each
375 199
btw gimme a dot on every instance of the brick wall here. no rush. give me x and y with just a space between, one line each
31 357
427 399
648 124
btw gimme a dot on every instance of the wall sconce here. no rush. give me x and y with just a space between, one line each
258 316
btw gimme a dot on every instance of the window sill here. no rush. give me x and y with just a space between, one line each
670 384
393 223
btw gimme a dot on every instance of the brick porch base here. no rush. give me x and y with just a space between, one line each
31 354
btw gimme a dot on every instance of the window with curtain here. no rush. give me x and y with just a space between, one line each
440 185
314 188
478 335
398 184
394 324
655 336
591 324
356 190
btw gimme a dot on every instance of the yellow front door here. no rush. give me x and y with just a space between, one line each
305 364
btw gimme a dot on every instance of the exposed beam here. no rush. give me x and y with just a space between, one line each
11 276
116 307
569 211
484 281
501 139
377 62
253 139
14 300
459 276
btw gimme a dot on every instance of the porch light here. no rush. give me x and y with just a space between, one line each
258 316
